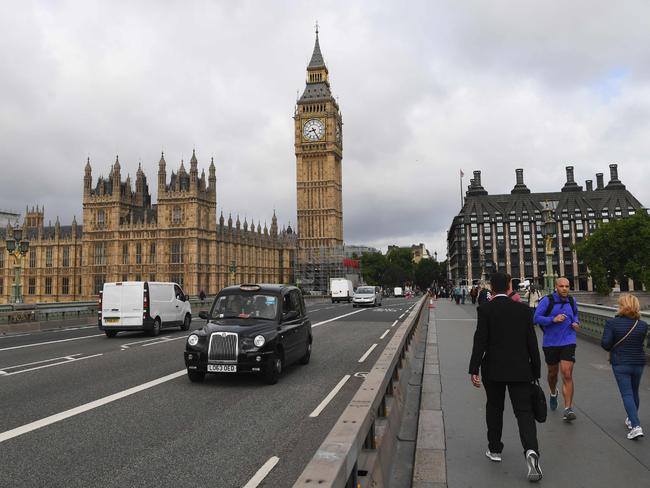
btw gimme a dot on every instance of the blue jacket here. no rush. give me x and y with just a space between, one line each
560 333
630 351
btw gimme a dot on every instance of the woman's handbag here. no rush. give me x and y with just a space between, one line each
538 398
609 354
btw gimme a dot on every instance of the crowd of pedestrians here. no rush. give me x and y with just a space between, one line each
506 356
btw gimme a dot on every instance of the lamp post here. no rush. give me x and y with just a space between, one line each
17 248
548 231
482 263
233 270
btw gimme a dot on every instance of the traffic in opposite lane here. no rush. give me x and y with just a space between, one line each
126 400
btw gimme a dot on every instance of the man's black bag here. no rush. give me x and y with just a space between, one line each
538 398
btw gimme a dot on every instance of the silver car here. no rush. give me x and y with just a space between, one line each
367 295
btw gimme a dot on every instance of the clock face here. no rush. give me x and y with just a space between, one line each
313 130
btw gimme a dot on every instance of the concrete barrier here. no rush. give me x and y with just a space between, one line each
359 449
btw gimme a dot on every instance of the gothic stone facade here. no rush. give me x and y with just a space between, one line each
126 237
504 232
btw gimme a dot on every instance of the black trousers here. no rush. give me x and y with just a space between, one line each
520 397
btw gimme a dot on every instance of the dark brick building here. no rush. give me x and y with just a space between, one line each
504 232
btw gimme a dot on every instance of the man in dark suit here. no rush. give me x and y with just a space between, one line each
505 349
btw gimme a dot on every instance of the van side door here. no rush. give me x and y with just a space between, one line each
178 305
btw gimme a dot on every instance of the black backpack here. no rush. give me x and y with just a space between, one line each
551 303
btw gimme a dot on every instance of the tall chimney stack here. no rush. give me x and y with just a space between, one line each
599 181
590 185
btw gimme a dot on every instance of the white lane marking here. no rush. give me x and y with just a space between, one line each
365 356
400 317
329 397
24 429
49 342
393 325
335 318
129 344
384 334
13 335
67 361
39 362
165 340
262 472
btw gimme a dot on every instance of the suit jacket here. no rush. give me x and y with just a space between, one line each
505 344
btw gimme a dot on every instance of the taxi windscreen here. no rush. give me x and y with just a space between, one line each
244 306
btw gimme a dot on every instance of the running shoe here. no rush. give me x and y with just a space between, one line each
635 433
494 456
569 415
534 471
628 424
553 400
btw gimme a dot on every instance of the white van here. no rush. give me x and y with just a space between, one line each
341 289
398 292
142 305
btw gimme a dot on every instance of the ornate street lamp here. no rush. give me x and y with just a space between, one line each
17 248
548 231
233 270
482 263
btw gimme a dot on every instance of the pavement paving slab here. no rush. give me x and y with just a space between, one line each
592 451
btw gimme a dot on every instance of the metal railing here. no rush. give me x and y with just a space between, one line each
361 443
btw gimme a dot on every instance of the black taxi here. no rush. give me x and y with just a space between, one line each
251 329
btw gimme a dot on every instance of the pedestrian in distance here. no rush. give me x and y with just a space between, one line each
505 352
483 295
623 338
557 315
473 294
463 294
457 293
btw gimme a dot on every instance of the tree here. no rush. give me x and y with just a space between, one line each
373 266
618 250
425 273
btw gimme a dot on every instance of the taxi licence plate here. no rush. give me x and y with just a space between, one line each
222 368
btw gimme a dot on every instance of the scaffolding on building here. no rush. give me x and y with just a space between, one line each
315 267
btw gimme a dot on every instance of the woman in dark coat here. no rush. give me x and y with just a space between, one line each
623 337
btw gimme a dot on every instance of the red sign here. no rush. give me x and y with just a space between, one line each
351 263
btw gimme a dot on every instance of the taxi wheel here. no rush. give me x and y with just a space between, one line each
156 328
186 322
195 376
273 369
307 356
110 333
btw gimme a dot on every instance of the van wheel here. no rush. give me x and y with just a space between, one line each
186 322
273 369
195 376
307 356
110 333
156 328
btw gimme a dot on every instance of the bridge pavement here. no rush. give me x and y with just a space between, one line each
593 451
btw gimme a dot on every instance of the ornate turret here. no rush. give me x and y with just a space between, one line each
274 225
116 178
88 178
194 172
212 179
162 173
57 228
221 219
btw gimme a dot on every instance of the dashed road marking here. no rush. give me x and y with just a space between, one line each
367 353
262 473
329 397
49 342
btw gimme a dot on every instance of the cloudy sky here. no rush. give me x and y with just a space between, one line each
426 89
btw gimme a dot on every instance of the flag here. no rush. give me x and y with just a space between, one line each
461 173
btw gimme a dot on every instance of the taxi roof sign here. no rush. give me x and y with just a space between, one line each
249 287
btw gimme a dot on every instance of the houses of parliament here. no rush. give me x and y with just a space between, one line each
125 236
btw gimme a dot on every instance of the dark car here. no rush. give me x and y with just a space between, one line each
251 329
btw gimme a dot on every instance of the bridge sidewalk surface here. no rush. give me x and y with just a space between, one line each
592 451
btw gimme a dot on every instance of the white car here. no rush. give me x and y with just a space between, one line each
142 305
367 295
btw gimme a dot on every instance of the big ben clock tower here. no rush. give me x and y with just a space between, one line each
319 150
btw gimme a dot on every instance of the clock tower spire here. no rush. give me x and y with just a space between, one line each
319 152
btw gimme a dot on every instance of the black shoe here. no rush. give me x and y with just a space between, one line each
534 471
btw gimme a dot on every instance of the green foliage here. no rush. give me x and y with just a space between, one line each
618 250
397 268
373 266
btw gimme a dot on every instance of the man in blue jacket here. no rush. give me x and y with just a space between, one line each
557 315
